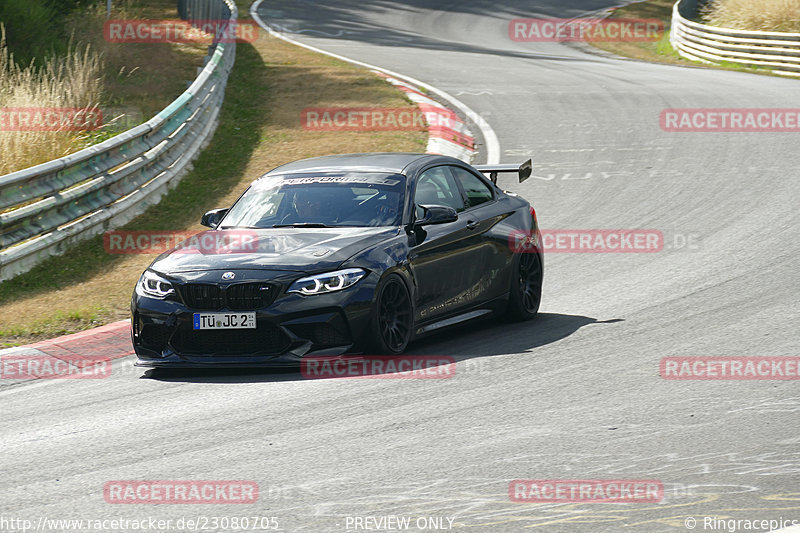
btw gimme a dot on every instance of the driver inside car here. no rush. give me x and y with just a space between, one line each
306 207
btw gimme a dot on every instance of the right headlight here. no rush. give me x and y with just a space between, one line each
154 286
328 282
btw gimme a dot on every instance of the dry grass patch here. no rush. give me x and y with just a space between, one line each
72 81
141 78
259 129
129 82
764 15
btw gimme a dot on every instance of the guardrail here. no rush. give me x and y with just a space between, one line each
778 51
46 208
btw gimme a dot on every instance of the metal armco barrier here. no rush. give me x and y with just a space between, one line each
46 208
778 51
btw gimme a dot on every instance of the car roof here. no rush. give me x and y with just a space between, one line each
394 162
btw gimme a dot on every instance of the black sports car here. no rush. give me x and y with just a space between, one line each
340 254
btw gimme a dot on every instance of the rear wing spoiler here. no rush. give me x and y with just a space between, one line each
524 170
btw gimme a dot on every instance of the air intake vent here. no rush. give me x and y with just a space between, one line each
238 297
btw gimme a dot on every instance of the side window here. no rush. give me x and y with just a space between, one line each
436 186
477 191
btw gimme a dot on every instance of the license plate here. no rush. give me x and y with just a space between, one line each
224 320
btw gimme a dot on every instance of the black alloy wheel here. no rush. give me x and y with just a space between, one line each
526 287
393 317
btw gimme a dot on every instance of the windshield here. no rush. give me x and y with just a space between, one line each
320 200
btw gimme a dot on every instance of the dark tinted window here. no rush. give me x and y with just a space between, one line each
477 191
436 186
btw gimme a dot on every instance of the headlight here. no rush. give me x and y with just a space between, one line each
328 282
154 286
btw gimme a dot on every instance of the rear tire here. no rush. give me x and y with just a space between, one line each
526 287
392 318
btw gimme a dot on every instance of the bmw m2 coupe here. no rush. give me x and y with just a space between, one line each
341 254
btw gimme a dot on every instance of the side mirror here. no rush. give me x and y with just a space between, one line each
212 218
436 214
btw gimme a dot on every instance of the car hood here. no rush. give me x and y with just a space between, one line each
295 249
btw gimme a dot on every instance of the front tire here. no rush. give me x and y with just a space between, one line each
526 286
392 319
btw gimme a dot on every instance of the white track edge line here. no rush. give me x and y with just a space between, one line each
489 136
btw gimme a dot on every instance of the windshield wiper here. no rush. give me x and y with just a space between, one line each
239 227
302 225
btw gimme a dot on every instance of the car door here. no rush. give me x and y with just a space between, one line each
489 251
441 254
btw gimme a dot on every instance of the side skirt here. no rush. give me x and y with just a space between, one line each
453 320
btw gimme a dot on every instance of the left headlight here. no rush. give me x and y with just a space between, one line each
328 282
154 286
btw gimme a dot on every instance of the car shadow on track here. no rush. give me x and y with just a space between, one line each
494 336
475 339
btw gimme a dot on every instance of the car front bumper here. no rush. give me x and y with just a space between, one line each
292 327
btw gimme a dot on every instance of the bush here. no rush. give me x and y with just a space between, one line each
31 31
34 28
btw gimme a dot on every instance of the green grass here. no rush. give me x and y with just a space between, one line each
664 47
59 323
